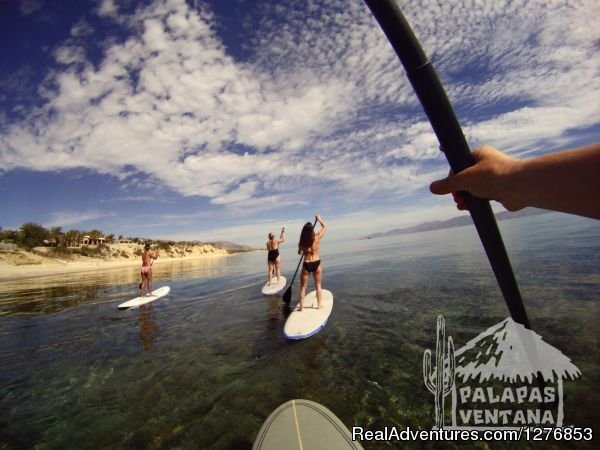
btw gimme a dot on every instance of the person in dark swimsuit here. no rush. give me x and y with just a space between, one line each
273 258
311 267
273 254
308 246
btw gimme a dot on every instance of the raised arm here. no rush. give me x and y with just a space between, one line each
323 226
282 235
566 181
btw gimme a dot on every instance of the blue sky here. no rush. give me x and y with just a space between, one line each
229 119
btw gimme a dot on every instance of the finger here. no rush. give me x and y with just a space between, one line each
442 187
459 200
462 205
452 183
458 197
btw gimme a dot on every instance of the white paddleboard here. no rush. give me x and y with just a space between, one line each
309 321
274 288
139 301
302 424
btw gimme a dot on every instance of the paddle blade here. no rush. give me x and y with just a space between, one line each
287 295
286 309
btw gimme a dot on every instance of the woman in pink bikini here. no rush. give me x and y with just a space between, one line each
309 248
146 272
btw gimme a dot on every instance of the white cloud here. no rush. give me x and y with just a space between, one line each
28 7
349 226
71 218
318 110
108 8
529 125
70 55
82 29
376 220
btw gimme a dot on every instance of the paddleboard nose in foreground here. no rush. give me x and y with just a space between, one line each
303 424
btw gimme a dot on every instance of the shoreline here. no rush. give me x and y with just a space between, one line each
10 272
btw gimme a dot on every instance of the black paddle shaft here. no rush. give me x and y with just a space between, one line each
434 100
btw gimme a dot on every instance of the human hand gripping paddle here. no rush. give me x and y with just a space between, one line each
428 88
287 295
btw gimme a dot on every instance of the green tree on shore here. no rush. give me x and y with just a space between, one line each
31 235
95 235
9 235
56 235
72 238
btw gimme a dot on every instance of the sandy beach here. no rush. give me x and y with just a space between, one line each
18 265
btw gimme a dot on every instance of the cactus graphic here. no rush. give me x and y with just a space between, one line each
444 381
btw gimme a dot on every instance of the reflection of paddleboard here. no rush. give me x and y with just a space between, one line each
305 323
302 424
139 301
274 288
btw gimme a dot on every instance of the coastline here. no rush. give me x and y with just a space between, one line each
54 267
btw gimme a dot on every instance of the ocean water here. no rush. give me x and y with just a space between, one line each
204 367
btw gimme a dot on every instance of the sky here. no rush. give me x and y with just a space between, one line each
226 120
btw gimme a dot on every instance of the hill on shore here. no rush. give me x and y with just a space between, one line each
117 252
454 222
232 247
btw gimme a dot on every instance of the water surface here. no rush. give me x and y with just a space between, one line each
204 367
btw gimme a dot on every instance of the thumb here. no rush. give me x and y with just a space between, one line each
452 183
441 187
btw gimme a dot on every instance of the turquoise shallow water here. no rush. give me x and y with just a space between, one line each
204 367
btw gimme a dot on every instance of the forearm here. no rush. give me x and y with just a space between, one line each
567 181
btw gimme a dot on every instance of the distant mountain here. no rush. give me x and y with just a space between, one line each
232 247
455 222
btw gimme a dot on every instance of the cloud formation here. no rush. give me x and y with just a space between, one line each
71 218
317 103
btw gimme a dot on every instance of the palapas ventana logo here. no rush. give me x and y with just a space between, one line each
506 377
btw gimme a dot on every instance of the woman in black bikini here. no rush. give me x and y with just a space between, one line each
309 248
273 258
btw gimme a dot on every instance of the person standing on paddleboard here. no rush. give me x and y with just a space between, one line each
308 247
146 272
273 258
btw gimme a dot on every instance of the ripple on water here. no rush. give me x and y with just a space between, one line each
203 367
